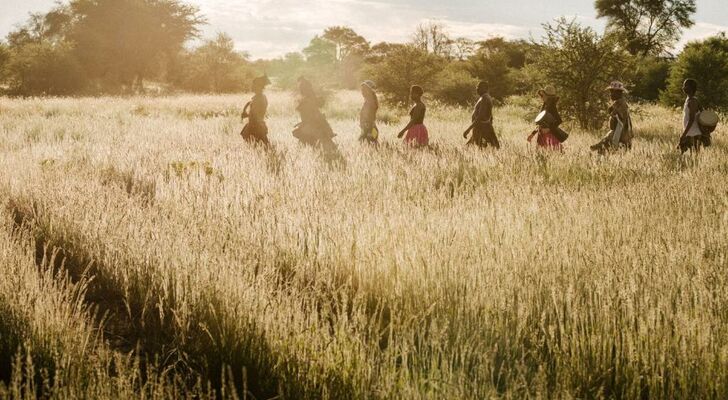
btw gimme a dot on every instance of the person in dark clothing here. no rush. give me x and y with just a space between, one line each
314 129
368 114
482 121
256 130
417 134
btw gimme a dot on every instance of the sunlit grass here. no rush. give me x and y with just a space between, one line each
446 273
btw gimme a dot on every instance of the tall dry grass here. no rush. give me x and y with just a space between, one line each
449 273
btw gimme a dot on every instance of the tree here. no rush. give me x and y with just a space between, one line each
4 58
455 85
347 43
581 64
405 66
120 42
215 67
492 68
320 51
432 37
462 48
517 51
650 77
707 62
43 68
647 26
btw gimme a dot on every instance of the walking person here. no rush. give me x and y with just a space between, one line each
620 122
548 133
692 137
256 130
314 129
368 114
417 135
482 121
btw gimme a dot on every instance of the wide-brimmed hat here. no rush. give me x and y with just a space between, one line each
370 84
616 85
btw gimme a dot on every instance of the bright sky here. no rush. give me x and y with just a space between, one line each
270 28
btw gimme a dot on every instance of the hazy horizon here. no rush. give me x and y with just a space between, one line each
272 28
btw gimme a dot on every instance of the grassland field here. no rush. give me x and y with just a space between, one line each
147 252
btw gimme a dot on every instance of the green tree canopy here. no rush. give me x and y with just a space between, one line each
215 67
647 26
123 41
706 62
581 63
402 67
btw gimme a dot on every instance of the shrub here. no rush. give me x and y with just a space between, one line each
581 63
455 86
44 69
650 77
402 67
707 62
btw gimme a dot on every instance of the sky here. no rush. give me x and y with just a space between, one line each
272 28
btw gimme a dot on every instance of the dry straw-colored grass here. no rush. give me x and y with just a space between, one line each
447 273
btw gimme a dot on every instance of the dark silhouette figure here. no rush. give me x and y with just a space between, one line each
417 135
368 114
482 121
256 130
620 122
314 129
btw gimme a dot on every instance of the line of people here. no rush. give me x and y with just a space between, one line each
315 130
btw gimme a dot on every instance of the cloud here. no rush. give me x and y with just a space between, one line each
271 28
700 30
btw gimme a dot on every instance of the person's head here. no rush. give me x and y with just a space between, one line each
305 88
416 93
547 92
616 90
260 83
368 88
690 87
482 88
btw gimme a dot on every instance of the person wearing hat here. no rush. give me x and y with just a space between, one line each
550 102
692 137
368 114
482 120
314 129
550 135
256 130
620 122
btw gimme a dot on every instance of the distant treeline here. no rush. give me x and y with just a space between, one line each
131 46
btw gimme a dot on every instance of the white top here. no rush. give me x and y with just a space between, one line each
695 129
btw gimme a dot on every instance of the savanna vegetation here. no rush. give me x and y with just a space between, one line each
148 252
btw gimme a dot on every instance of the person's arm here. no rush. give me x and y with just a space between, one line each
470 129
246 110
414 119
410 124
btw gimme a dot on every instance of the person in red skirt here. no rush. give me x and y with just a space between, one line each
545 138
548 121
417 135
